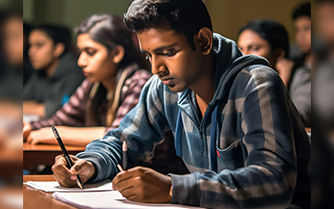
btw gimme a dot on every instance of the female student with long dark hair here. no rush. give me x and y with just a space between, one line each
111 63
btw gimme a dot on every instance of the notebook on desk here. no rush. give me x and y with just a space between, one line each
107 200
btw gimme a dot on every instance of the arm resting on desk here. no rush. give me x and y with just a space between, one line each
78 136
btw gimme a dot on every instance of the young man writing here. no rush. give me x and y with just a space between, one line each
234 125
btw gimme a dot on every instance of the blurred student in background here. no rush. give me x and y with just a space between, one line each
12 64
266 38
56 74
323 105
269 39
114 79
300 86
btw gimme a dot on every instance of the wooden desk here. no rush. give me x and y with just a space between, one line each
43 154
33 198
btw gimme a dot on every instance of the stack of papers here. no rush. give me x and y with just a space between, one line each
107 200
53 186
97 196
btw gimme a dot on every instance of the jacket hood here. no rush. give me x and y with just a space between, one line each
229 62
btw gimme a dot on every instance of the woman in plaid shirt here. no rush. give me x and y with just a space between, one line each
110 61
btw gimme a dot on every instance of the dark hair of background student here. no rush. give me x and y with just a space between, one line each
302 10
186 17
271 31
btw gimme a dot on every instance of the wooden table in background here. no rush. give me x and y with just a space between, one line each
44 154
35 199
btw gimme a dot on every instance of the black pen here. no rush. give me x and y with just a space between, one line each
67 157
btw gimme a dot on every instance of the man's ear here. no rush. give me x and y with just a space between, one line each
58 49
118 54
204 38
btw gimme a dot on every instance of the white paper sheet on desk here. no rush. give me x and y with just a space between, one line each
107 200
53 186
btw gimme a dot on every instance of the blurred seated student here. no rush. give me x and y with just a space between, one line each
56 74
266 38
12 58
300 86
111 63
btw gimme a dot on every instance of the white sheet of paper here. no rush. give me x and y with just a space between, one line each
53 186
107 200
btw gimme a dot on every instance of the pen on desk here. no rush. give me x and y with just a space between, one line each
125 155
67 157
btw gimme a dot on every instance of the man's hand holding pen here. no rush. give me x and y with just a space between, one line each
67 177
143 184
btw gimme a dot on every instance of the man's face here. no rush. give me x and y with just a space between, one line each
172 59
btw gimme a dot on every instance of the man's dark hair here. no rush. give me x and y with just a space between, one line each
302 10
184 16
271 31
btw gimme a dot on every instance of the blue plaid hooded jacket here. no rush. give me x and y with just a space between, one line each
250 150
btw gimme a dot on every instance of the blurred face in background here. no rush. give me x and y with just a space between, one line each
303 33
325 22
250 42
95 60
13 36
41 51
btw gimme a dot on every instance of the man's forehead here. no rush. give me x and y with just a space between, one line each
152 38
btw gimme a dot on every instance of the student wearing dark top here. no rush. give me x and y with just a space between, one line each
234 124
56 74
300 87
11 73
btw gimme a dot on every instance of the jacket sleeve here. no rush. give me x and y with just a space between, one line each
72 113
142 128
268 177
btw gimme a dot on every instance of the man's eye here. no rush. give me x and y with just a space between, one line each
168 53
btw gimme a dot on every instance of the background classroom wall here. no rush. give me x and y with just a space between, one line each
227 16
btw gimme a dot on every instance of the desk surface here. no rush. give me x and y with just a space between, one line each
44 154
33 198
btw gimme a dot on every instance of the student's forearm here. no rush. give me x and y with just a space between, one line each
80 136
33 108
